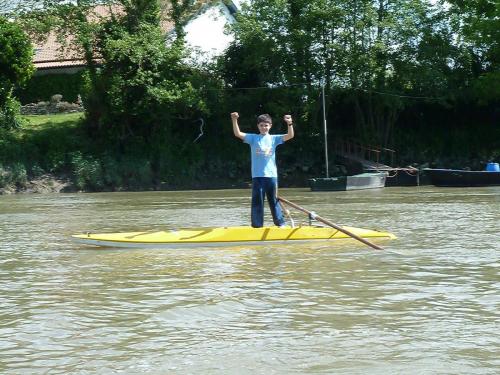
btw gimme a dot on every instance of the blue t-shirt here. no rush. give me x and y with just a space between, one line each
263 149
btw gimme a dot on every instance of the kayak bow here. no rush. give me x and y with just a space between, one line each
223 236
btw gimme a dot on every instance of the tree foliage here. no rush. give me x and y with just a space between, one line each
16 68
377 53
477 22
141 83
405 74
322 42
136 82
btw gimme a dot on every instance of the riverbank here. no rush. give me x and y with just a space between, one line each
40 185
56 184
55 153
53 184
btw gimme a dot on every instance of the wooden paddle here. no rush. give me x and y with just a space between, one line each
287 213
312 215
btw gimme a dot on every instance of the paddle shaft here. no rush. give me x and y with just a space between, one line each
287 213
329 223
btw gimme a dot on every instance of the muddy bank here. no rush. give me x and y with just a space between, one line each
56 184
41 185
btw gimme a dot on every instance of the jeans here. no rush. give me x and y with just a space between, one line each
267 186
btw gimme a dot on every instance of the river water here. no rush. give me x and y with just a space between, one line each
427 304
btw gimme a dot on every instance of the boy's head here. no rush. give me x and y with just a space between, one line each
264 123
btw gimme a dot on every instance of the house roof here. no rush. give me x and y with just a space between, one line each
51 54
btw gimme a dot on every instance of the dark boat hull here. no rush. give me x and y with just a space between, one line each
343 183
461 178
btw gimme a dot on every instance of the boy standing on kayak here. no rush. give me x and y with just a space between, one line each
264 171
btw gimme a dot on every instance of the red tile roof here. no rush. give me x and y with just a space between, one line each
50 54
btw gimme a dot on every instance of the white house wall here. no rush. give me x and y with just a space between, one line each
206 34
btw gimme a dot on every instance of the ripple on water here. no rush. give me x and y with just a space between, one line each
427 304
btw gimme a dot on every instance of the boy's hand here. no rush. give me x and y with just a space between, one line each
236 128
290 132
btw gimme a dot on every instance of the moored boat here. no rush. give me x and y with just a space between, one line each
462 178
224 236
369 180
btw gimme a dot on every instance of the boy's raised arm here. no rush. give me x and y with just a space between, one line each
236 127
290 134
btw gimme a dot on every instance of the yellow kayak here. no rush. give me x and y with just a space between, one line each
223 236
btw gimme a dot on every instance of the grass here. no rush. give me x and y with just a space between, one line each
44 141
61 146
39 122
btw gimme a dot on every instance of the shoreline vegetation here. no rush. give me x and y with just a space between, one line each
53 154
414 83
54 184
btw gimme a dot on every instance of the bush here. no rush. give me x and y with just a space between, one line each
97 174
55 161
14 175
36 171
87 172
41 88
19 175
9 115
16 54
4 177
137 173
111 172
16 67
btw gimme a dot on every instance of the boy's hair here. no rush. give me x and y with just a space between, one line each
264 118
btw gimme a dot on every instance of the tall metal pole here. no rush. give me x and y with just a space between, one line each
325 130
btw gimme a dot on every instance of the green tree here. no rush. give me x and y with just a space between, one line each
477 22
138 91
372 53
136 80
16 68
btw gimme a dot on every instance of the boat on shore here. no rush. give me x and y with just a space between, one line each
224 236
462 178
370 180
